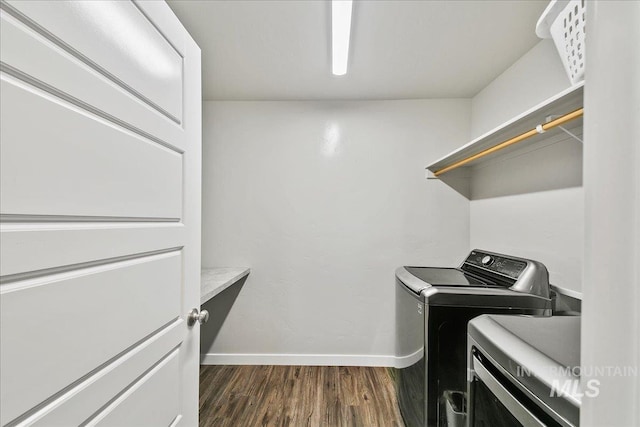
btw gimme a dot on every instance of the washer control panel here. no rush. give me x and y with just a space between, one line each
499 264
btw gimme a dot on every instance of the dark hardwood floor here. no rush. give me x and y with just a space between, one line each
246 396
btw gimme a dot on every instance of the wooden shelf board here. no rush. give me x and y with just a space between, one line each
562 103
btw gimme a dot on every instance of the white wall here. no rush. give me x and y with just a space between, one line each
323 200
611 319
534 77
544 225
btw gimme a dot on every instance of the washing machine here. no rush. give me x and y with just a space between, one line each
433 307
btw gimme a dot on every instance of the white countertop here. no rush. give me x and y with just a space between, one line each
215 280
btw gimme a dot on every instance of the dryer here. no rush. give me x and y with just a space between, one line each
525 371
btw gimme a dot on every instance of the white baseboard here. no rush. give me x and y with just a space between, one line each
297 359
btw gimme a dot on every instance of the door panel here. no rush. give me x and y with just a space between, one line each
145 404
33 246
122 303
78 403
76 164
118 38
49 65
99 215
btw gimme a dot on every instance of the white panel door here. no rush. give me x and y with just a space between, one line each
100 165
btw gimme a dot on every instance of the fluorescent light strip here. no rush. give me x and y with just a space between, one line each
340 34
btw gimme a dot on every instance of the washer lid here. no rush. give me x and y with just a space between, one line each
436 276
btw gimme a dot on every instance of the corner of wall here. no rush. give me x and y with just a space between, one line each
536 76
548 224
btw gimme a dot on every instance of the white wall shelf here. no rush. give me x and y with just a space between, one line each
215 280
461 178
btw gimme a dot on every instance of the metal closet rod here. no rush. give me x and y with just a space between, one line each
538 129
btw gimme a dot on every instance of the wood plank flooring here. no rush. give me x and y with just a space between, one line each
247 396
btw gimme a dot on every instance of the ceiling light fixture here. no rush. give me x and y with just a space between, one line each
340 34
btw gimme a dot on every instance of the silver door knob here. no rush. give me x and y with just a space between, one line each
201 317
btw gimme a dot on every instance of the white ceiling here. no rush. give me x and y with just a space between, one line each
280 50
